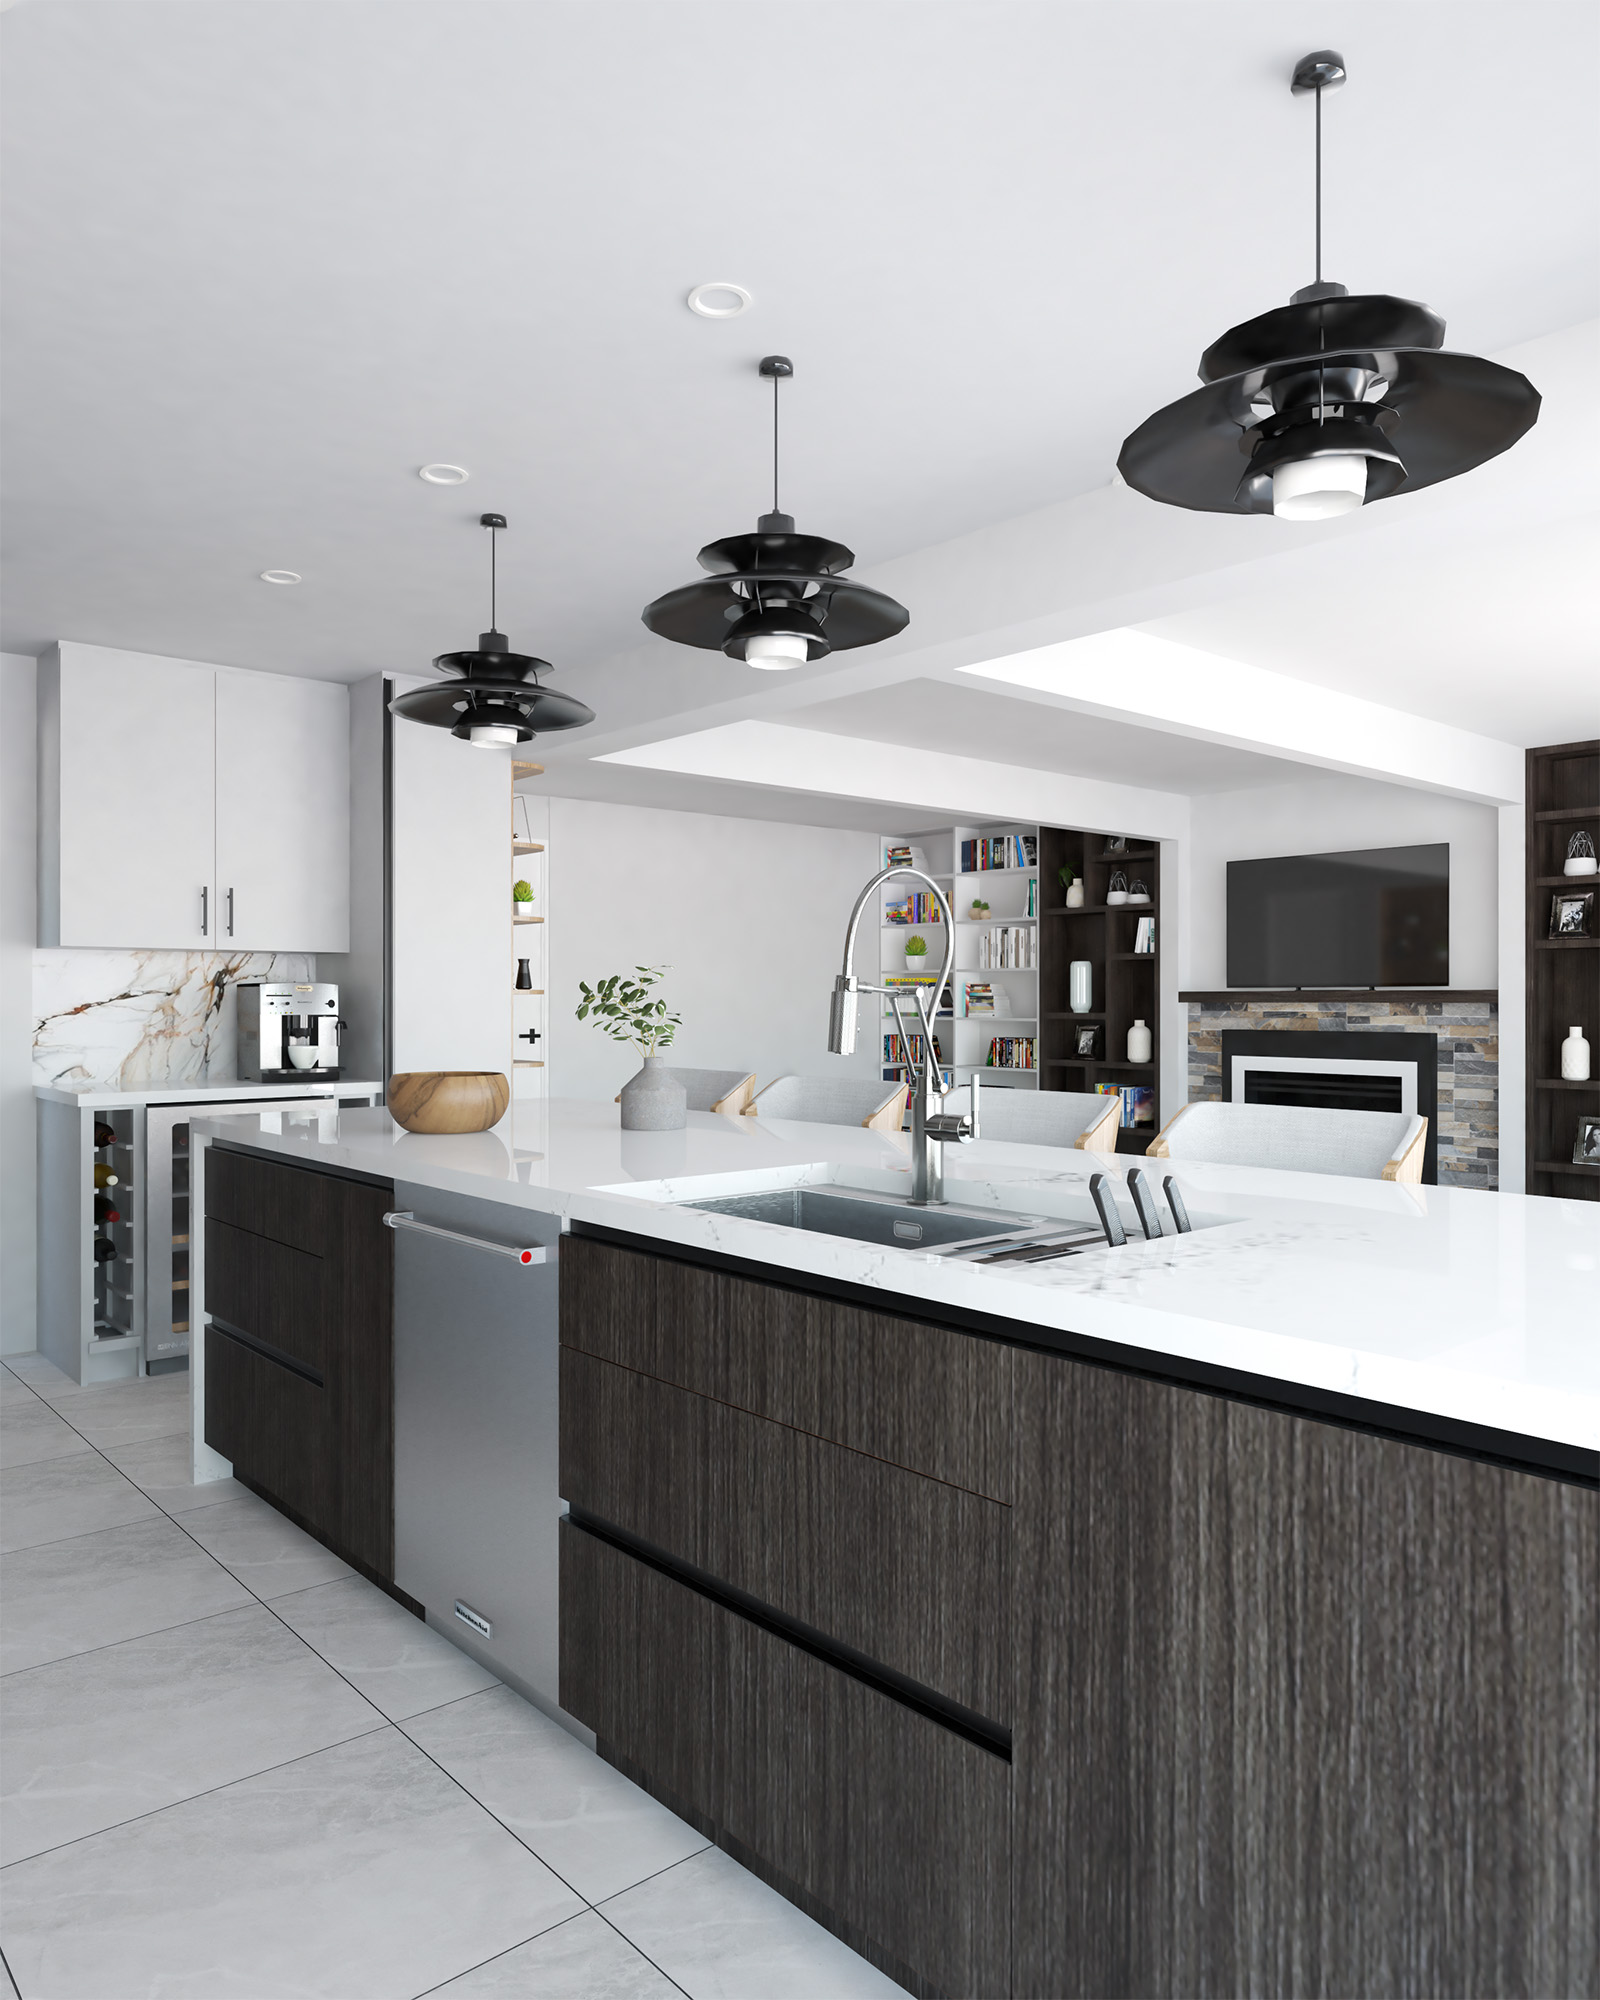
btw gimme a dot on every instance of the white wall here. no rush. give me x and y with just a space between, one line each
1323 814
750 915
18 928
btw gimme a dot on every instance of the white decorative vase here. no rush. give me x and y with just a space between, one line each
1575 1057
652 1101
1139 1043
1075 893
1080 986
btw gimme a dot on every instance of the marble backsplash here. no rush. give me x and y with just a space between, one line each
130 1019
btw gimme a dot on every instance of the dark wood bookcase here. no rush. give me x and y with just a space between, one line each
1126 983
1563 798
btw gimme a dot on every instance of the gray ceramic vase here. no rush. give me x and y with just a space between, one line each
653 1101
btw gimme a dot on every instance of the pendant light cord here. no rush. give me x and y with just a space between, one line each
494 580
1319 183
775 508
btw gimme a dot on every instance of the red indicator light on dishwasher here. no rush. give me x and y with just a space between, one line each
526 1257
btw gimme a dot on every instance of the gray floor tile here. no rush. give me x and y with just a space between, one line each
57 1497
30 1432
14 1390
392 1657
262 1549
98 1739
361 1873
96 1590
582 1959
108 1413
42 1376
722 1935
596 1830
163 1468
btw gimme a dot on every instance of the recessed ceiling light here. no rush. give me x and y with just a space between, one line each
444 475
719 300
280 576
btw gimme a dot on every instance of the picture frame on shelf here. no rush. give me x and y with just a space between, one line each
1116 844
1586 1147
1572 914
1089 1042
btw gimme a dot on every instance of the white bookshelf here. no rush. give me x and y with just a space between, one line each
530 936
1012 893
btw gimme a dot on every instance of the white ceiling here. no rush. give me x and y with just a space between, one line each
264 259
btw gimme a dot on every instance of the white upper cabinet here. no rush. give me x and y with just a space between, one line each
164 783
283 814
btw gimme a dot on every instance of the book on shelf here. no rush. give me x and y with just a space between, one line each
999 850
903 854
1012 1052
1008 947
906 982
897 1074
1144 936
1138 1102
917 909
980 996
894 1050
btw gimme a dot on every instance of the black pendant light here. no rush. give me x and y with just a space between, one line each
492 696
1328 403
776 599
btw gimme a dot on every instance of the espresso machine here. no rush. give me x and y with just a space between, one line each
288 1034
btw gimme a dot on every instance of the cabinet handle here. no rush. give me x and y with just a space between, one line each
402 1218
205 912
230 913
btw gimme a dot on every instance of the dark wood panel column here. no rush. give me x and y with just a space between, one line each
1299 1710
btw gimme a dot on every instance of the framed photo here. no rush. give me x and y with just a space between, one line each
1088 1044
1572 914
1116 843
1586 1150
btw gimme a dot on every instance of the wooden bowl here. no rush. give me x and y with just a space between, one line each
448 1100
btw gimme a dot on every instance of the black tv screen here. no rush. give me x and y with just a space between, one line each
1377 917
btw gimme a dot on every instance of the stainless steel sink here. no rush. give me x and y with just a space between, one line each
868 1218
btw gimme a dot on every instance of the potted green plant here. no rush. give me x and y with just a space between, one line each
916 952
626 1008
522 897
1073 886
979 910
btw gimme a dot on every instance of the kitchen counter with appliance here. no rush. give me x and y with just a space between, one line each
928 1587
1457 1310
214 1090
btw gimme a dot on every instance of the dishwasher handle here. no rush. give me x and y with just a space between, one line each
403 1218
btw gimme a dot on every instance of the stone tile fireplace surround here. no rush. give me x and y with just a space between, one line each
1466 1023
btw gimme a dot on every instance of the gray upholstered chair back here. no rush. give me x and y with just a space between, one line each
1364 1145
832 1100
1080 1118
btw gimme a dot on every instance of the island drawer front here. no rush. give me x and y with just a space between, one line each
927 1398
272 1423
288 1204
267 1290
911 1572
885 1825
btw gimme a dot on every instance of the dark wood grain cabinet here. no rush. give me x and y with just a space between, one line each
299 1389
1029 1675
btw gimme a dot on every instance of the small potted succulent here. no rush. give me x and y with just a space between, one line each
916 952
522 898
1072 885
979 910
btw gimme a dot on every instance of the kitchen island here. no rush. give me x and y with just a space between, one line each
1204 1615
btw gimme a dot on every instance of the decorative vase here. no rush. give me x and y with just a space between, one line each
653 1101
1117 887
1080 986
524 977
448 1100
1075 893
1138 892
1139 1043
1575 1057
1580 856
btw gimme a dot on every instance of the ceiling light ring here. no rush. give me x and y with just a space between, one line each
282 576
697 301
438 473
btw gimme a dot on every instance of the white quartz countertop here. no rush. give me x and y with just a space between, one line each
1476 1308
107 1097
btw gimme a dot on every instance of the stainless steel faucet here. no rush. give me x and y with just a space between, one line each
931 1129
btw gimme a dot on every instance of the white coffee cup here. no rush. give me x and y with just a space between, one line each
303 1055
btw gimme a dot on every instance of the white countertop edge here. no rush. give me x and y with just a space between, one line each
108 1097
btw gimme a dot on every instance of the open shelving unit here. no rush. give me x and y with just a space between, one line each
1563 974
530 861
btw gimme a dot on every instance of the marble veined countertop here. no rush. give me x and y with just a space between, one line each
108 1097
1475 1308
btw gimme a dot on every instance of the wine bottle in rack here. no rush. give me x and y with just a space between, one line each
104 1134
103 1210
104 1249
103 1176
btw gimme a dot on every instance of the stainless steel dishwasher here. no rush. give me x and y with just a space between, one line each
476 1481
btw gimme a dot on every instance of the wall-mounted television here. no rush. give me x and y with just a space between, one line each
1379 916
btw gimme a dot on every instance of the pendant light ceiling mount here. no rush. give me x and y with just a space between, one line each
775 599
1332 401
491 696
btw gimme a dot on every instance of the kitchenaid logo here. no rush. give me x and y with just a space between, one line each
479 1624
